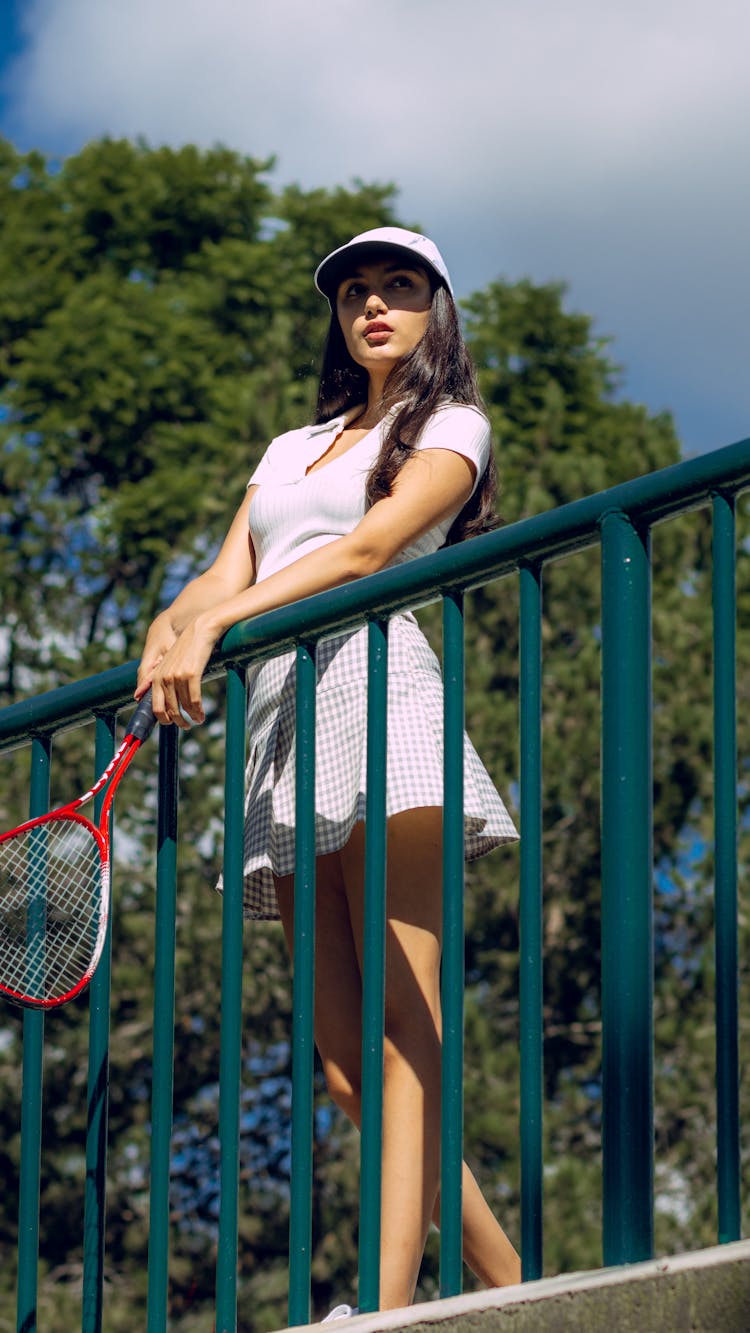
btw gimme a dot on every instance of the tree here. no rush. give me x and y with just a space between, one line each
157 326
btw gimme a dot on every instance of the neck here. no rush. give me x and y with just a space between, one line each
374 411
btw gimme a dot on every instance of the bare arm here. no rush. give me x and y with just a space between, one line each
434 484
231 571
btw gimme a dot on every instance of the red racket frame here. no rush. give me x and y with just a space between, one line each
140 726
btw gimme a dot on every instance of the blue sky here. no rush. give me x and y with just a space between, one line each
602 144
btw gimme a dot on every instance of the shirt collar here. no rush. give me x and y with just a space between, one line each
344 418
339 422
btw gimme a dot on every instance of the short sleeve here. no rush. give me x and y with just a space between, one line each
462 429
264 471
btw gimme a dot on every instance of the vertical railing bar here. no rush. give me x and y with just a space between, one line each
452 972
94 1219
162 1089
725 872
31 1097
303 993
230 1050
627 910
530 924
373 981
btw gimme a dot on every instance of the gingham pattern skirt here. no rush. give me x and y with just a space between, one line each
414 755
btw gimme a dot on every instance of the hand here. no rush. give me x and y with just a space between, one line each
176 681
159 639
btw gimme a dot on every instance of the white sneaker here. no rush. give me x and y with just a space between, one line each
340 1312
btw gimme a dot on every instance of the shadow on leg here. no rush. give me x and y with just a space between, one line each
412 1045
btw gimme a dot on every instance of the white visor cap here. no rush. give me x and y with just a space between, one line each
410 244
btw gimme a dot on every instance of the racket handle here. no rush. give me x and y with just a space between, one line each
143 720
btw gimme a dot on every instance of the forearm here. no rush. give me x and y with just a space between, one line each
429 488
329 566
197 597
426 491
176 669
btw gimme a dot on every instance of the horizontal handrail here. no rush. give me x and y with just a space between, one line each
647 499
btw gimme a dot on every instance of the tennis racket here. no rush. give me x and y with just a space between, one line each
54 889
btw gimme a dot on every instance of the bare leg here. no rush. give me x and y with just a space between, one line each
486 1248
338 982
411 1067
411 1092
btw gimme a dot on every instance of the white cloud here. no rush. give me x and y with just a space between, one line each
335 86
605 143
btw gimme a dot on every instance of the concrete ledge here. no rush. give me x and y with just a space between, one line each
704 1292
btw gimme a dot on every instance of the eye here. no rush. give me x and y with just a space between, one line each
401 280
349 290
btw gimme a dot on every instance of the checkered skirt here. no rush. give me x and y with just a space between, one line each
414 755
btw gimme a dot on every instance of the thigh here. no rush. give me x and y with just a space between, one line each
338 980
414 909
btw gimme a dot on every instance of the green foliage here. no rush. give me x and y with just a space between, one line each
157 326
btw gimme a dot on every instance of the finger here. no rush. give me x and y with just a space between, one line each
190 699
172 707
145 675
167 707
159 703
142 681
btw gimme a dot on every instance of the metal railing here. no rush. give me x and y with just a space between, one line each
620 520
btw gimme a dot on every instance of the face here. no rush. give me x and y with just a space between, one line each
383 308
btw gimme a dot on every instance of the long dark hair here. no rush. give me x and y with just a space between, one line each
438 370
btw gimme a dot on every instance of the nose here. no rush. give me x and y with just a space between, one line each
374 304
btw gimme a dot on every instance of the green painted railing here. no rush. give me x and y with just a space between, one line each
620 520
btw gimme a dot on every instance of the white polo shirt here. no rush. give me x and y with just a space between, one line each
295 512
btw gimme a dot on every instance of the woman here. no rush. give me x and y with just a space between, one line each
401 429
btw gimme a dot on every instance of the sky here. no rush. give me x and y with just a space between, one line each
601 143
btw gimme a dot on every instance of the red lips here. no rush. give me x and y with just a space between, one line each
378 327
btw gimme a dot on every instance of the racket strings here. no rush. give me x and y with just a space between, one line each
51 881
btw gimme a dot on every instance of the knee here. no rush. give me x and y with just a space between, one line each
393 1059
411 1044
344 1087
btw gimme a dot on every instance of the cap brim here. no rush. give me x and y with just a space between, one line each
341 263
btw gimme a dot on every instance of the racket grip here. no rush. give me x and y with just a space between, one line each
143 720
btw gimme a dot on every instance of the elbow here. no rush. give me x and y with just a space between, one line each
365 558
